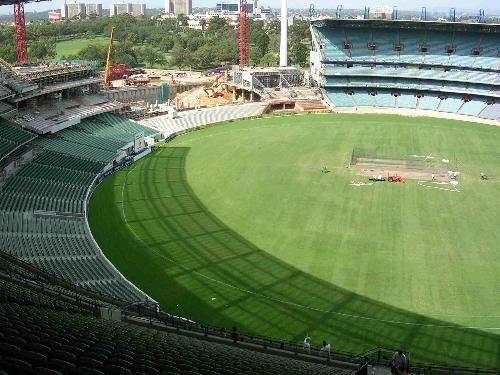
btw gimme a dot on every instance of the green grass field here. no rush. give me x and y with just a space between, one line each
236 224
73 46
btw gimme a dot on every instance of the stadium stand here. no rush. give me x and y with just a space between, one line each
43 203
49 327
422 61
491 111
195 118
11 137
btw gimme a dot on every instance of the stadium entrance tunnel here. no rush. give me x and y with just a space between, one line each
151 225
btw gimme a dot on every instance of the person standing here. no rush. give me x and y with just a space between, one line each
325 350
307 345
398 363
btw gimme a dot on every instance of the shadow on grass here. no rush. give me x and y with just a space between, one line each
193 264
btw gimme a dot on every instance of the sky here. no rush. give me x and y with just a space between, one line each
493 5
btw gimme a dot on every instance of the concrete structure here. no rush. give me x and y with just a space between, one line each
72 11
284 34
93 9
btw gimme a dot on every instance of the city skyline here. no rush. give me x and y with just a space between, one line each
489 6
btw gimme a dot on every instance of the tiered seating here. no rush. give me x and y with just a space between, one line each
491 112
452 81
409 58
195 118
385 99
364 99
437 43
62 146
114 128
55 185
472 108
429 101
11 137
406 100
38 340
339 98
450 104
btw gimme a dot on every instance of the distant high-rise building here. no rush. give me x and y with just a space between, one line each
93 9
232 6
181 7
135 9
54 16
72 11
138 9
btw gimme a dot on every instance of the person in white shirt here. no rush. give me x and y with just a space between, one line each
325 350
307 345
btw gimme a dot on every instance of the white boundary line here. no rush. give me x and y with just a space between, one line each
424 184
285 302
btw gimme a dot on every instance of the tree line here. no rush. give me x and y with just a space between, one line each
142 41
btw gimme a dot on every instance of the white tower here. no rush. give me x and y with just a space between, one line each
284 34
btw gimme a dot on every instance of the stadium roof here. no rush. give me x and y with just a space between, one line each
411 24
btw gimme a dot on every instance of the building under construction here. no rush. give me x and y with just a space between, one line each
47 98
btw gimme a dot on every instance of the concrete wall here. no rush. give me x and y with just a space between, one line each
149 94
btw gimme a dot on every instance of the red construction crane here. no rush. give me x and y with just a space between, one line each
20 26
243 35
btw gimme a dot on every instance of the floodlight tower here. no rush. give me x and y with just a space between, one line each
452 16
338 12
481 16
423 14
395 13
20 27
366 13
284 34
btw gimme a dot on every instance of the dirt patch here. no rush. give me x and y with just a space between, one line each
369 170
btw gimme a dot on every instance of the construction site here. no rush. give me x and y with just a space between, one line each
49 97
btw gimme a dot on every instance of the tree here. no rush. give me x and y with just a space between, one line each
300 54
126 53
151 56
93 52
182 20
181 57
166 44
203 24
269 59
42 49
8 52
205 57
263 44
216 25
194 43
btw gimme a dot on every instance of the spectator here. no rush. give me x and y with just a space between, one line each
307 345
222 332
325 350
235 335
398 363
